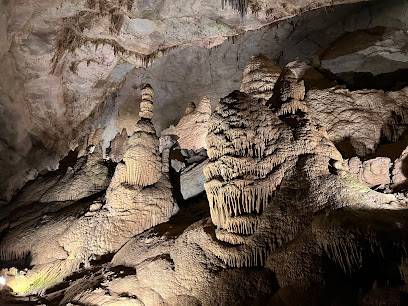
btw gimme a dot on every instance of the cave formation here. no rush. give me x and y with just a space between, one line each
240 152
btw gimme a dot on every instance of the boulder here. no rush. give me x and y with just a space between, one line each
192 180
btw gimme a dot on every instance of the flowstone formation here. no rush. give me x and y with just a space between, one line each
141 182
362 117
59 242
288 219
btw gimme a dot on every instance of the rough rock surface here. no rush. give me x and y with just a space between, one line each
91 47
174 265
361 117
373 172
192 180
118 146
259 77
60 241
274 164
400 170
375 51
192 128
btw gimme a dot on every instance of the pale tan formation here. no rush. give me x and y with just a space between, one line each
192 127
80 181
374 172
87 177
251 150
259 77
59 243
142 160
362 116
280 199
118 146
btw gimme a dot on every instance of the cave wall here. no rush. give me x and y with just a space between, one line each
57 87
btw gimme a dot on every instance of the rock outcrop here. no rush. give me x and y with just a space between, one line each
368 56
137 199
192 180
288 231
374 172
361 117
400 171
192 128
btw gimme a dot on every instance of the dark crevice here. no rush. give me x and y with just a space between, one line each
193 210
175 154
391 81
346 148
24 262
392 150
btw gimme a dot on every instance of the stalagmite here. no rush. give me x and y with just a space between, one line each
138 197
252 147
142 157
192 127
259 77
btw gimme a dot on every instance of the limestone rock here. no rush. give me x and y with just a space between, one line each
137 199
362 117
259 77
118 146
277 213
94 49
177 165
142 157
86 178
192 180
373 51
91 48
251 150
192 127
373 172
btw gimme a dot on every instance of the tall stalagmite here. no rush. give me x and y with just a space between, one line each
252 147
143 166
138 197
